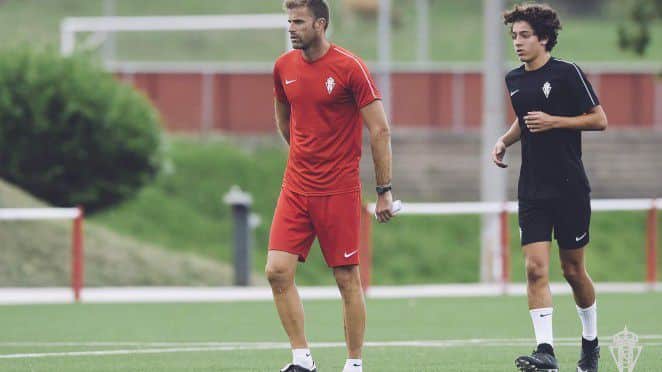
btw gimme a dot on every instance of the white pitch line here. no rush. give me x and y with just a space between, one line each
241 344
61 295
238 346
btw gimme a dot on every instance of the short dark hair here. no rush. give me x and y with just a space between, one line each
319 8
543 20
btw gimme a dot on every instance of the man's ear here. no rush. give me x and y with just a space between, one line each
320 24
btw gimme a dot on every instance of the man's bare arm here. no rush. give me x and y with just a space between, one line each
283 119
594 119
511 136
380 144
380 140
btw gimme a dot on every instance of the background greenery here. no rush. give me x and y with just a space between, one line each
456 30
71 133
183 211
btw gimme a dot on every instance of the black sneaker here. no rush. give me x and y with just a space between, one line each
295 368
541 360
588 360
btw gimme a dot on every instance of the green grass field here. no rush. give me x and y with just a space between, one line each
227 336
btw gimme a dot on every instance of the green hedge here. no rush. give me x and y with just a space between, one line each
70 133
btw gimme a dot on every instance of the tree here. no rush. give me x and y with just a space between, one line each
634 32
70 133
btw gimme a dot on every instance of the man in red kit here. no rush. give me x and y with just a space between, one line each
322 94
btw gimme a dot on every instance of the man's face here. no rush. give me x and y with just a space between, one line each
304 30
526 43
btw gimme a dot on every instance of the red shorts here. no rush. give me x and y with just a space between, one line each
334 219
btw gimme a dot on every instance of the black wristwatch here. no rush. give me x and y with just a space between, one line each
383 189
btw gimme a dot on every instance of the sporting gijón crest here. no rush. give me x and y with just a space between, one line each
330 84
546 89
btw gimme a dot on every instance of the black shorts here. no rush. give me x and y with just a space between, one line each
569 217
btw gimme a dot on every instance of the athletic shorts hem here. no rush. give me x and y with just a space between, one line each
300 257
531 241
354 262
572 244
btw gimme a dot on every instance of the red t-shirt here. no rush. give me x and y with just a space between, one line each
325 98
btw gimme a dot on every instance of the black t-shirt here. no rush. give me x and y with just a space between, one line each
552 160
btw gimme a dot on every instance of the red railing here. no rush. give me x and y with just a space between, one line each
503 210
77 253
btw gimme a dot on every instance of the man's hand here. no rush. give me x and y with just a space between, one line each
538 121
384 206
498 154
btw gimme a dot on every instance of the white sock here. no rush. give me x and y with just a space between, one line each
303 358
542 325
589 318
353 365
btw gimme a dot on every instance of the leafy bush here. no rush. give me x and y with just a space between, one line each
70 133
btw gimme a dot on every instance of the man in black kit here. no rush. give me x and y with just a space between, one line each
553 102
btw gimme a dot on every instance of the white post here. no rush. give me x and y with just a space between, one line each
423 10
458 124
384 53
207 103
493 179
288 42
109 45
67 38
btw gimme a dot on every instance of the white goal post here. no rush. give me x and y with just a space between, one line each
70 26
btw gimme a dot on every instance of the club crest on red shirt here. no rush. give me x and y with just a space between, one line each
330 83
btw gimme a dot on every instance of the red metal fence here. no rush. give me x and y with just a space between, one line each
242 102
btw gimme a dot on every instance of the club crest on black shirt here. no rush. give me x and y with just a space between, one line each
547 88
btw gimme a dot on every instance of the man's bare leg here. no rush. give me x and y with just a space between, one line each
354 311
280 270
536 258
574 271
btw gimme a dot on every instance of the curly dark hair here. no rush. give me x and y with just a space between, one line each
543 20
